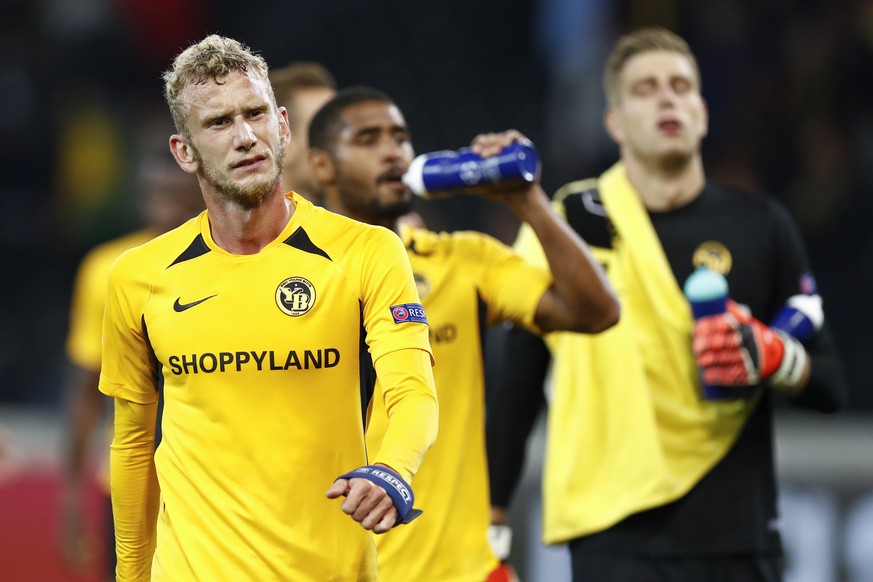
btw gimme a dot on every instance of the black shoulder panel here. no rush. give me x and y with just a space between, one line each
195 249
587 215
300 240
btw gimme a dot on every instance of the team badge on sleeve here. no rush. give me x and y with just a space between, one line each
413 312
807 284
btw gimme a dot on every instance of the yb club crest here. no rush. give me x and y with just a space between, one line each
295 296
713 255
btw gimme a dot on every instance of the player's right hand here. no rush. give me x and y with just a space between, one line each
366 503
735 349
366 489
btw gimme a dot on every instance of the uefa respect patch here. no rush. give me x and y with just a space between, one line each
413 312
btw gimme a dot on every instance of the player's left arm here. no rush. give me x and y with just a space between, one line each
379 496
397 337
823 387
406 377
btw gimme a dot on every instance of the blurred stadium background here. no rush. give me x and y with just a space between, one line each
790 91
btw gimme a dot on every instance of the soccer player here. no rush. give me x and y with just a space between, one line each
263 321
645 479
301 87
166 196
360 149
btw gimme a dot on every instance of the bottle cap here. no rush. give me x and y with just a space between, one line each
705 285
414 176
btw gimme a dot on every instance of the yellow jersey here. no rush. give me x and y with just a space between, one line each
266 366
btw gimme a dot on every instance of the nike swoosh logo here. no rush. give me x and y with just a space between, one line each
180 307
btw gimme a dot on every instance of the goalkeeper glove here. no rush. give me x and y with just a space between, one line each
735 349
503 573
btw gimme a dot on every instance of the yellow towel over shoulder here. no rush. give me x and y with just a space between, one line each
628 430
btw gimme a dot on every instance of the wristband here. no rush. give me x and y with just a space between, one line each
787 376
397 489
500 539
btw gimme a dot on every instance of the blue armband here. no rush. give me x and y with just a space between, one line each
398 490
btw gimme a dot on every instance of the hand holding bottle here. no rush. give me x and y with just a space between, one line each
493 163
735 350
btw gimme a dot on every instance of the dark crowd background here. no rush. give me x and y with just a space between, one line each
788 84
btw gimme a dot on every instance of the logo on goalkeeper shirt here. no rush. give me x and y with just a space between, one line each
413 312
713 255
807 284
295 296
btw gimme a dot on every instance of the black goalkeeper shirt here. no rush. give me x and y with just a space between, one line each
732 510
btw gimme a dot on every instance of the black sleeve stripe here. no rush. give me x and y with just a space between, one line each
159 384
156 364
367 373
482 318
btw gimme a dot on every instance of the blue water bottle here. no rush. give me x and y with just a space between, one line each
707 291
451 171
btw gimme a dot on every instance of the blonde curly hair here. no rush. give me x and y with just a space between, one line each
213 58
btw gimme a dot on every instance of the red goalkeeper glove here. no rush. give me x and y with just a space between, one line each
735 349
503 573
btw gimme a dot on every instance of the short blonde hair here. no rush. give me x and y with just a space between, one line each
640 41
213 58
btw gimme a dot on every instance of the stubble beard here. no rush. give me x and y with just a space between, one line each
370 205
247 196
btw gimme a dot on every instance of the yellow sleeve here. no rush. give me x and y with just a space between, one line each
387 282
407 385
528 246
511 286
128 369
134 488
